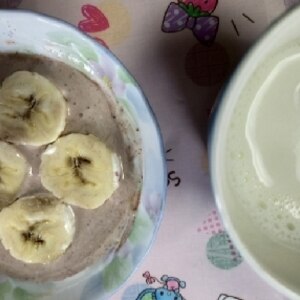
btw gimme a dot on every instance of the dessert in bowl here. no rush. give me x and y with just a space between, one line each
83 163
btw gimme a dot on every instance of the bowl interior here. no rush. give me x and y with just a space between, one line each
31 33
276 263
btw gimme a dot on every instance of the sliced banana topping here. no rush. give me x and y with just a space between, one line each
13 170
37 229
32 109
80 170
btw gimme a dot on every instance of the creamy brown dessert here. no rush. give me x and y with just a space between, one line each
90 111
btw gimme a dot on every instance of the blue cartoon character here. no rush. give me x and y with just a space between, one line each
169 291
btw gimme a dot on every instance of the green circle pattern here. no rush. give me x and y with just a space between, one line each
221 252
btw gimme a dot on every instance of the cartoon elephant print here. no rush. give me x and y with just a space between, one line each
159 294
169 291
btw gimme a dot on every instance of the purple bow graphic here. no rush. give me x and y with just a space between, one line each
204 27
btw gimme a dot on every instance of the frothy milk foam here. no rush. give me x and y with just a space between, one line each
263 146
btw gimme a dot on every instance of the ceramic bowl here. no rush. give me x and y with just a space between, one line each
278 264
27 32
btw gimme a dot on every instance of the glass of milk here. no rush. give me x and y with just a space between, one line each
255 156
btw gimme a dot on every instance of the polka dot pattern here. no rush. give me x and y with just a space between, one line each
212 224
221 252
204 28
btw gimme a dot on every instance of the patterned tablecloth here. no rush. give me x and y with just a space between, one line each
181 53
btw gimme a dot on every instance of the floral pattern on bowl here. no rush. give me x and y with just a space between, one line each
62 41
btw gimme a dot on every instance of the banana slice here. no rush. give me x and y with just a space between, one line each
32 109
37 229
13 170
80 170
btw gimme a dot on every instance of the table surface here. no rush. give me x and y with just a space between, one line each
181 71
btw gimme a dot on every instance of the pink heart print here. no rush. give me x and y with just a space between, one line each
205 5
95 19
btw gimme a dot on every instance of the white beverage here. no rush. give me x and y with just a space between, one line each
263 147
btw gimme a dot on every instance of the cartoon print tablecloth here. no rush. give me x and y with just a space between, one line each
181 52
